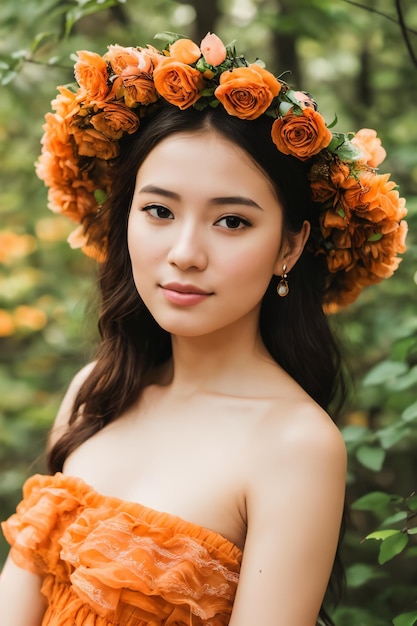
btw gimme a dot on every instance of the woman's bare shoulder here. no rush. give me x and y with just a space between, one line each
297 424
64 412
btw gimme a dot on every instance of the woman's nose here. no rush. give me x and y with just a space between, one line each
188 249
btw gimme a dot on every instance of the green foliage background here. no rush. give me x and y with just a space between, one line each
355 62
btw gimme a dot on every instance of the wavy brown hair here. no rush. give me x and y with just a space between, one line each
294 329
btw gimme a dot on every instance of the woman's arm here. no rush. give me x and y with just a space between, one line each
295 500
21 602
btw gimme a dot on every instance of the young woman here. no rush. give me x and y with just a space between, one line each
196 476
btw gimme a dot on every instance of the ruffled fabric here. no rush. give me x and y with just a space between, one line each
105 561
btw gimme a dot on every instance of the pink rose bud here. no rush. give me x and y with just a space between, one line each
213 49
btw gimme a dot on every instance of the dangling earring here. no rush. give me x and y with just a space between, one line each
283 288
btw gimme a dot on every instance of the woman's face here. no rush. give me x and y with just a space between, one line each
204 234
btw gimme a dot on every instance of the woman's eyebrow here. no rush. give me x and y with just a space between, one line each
159 191
242 200
223 200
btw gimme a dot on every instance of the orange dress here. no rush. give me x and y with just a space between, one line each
105 561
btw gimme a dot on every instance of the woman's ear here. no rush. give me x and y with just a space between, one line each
291 248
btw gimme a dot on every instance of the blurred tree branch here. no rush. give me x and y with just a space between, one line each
400 20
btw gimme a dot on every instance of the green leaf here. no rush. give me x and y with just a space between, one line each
406 619
42 39
391 435
86 7
361 573
375 237
400 516
371 457
385 372
412 531
412 503
406 381
410 413
333 123
167 38
353 433
343 148
381 535
100 196
392 546
375 501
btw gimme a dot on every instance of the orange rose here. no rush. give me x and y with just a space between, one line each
30 317
92 143
114 120
56 137
380 256
7 324
302 136
213 49
338 260
342 292
14 246
334 217
184 51
73 202
91 73
178 83
374 198
372 152
247 92
326 178
65 104
78 239
138 89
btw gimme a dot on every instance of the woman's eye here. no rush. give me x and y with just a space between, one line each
158 211
233 222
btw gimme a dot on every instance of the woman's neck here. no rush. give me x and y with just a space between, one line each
224 362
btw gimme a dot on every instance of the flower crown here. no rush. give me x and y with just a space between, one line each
361 213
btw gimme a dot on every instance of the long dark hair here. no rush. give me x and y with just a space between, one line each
294 329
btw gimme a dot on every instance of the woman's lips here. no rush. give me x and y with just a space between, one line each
185 295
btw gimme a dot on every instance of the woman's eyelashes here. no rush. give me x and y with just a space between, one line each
159 211
229 222
233 222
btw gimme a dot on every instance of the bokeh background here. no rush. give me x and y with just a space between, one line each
359 61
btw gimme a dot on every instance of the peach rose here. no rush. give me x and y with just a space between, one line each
247 92
302 136
372 152
92 143
305 100
134 60
91 73
184 51
213 49
178 83
115 120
